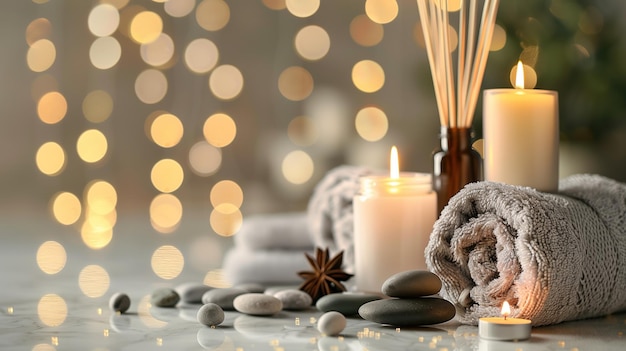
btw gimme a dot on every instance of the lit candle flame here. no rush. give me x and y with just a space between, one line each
394 168
506 309
519 76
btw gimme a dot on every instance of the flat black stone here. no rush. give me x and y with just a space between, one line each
410 284
408 312
345 303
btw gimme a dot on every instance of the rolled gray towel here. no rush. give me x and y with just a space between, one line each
281 231
553 257
330 211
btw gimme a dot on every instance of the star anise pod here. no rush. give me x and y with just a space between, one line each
326 275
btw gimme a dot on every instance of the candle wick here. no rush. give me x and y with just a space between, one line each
505 317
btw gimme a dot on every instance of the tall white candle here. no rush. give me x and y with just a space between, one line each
521 136
393 219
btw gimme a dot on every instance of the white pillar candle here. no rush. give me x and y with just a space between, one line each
504 328
393 219
521 136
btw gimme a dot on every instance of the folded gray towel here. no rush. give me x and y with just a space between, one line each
264 267
553 257
330 211
282 231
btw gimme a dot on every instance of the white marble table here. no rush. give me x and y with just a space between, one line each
39 311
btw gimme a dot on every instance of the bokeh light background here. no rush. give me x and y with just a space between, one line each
206 111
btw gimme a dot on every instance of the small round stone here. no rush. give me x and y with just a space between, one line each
409 284
331 323
222 297
257 304
164 297
294 300
210 315
191 292
119 302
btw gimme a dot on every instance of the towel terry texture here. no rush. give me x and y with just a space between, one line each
553 257
330 211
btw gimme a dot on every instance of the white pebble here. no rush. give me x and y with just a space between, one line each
294 299
257 304
119 302
210 315
331 323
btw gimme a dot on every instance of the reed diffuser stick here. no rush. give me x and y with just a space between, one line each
457 92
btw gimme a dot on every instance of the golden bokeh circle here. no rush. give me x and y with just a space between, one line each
151 86
52 107
105 52
52 310
103 20
38 29
312 42
92 146
226 220
368 76
179 8
96 232
366 32
101 197
158 52
204 158
146 27
166 211
167 175
212 15
97 106
381 11
297 167
219 130
226 191
41 55
226 82
167 262
66 208
93 281
51 257
166 130
302 8
201 55
295 83
371 123
50 158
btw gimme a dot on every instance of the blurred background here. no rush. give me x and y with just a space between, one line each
186 116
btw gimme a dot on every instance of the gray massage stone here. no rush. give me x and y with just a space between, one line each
164 297
210 315
408 312
257 304
223 297
119 302
409 284
294 299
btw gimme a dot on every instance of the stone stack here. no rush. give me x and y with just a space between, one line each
411 302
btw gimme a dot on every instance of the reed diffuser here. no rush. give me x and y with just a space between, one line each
457 75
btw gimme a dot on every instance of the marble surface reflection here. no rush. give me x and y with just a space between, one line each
41 311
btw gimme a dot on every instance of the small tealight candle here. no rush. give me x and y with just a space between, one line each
504 328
